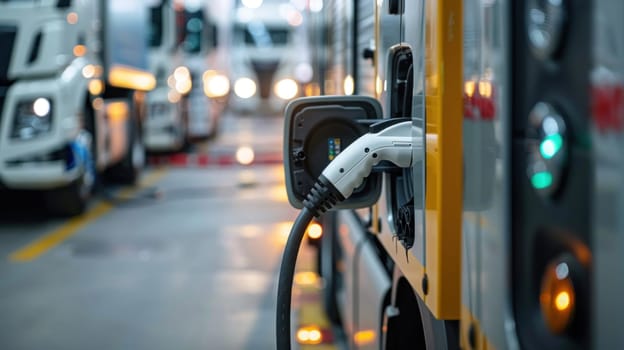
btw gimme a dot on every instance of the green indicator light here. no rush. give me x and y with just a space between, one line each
551 145
541 180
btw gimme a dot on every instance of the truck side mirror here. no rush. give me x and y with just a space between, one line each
316 130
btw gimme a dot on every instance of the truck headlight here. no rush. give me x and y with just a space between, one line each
215 84
32 118
244 88
286 89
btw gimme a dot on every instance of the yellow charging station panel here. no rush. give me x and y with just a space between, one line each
437 279
444 117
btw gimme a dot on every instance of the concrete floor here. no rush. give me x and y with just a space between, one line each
189 262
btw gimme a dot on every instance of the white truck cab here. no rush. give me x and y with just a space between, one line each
269 58
71 91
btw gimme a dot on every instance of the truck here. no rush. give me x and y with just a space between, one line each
73 78
186 104
505 231
270 63
166 128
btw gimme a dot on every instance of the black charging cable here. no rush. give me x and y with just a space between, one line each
389 140
321 198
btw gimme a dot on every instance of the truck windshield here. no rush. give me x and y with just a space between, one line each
156 26
260 35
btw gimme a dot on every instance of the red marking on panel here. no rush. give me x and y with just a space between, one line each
608 107
479 107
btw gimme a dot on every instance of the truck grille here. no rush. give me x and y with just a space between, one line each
265 70
7 38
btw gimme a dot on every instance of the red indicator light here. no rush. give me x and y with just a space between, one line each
479 103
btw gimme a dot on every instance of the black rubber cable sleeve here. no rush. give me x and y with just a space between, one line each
286 276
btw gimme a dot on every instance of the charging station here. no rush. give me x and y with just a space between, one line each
316 130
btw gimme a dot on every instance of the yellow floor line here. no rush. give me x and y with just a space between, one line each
50 240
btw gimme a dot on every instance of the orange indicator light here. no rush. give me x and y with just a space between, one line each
364 337
309 335
80 50
562 301
557 297
315 231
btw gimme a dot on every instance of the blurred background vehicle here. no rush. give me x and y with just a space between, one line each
166 127
210 85
269 56
190 93
73 78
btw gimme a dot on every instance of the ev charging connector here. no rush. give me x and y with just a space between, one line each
344 173
316 131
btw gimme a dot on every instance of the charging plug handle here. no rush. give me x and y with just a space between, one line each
394 144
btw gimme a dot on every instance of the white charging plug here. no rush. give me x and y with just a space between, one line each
395 143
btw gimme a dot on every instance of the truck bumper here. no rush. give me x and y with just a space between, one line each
38 175
160 141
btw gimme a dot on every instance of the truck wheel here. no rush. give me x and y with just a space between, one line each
72 199
68 200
